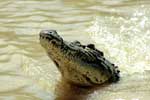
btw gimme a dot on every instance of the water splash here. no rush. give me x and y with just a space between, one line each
125 40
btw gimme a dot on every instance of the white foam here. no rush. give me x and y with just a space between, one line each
124 40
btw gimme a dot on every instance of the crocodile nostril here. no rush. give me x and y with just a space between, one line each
44 32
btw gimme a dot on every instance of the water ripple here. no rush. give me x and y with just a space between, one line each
121 30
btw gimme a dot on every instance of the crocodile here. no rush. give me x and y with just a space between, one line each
79 64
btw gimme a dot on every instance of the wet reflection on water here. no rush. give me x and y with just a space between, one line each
67 91
132 86
120 28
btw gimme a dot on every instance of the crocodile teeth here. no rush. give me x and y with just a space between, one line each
42 37
49 39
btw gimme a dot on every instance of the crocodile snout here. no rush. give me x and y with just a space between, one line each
48 32
50 38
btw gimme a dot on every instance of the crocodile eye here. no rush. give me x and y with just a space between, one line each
92 46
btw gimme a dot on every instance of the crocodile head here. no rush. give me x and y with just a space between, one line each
49 39
78 64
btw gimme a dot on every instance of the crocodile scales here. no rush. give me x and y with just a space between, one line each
79 64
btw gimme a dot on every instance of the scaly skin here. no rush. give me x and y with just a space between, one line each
79 64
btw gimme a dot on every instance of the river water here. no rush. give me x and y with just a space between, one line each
120 28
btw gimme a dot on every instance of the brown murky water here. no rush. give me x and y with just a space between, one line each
120 28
